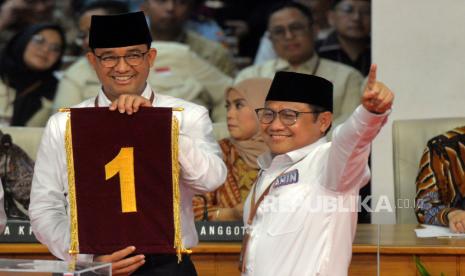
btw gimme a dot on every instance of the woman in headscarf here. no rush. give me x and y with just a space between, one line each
240 152
27 83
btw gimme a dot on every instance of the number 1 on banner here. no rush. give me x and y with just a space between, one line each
123 164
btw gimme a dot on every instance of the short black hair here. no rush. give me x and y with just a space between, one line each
291 4
110 6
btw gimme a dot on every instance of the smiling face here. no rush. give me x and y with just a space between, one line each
43 50
122 78
242 120
291 35
306 130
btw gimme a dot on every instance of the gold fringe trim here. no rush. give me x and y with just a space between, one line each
74 244
64 109
176 193
72 263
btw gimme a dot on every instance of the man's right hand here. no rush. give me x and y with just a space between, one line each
120 265
127 103
457 221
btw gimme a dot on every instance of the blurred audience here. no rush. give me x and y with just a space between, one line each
320 10
291 32
98 7
240 152
18 14
350 42
27 66
203 23
321 28
167 23
440 197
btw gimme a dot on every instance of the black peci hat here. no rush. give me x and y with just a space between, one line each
121 30
302 88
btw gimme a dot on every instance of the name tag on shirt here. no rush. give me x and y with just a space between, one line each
287 178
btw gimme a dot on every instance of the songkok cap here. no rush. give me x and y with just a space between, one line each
121 30
302 88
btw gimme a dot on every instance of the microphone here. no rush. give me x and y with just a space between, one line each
205 207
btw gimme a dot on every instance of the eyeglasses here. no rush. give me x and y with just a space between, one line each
39 40
133 59
287 116
350 9
295 29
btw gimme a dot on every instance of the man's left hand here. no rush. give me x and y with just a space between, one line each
377 97
129 103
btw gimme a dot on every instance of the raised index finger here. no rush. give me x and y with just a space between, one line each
372 77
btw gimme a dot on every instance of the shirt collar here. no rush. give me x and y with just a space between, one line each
104 101
265 160
307 66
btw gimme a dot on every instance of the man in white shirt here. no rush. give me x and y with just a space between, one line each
122 57
292 224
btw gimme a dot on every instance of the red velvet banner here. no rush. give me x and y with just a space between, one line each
123 180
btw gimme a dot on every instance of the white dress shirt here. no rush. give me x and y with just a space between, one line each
293 233
202 170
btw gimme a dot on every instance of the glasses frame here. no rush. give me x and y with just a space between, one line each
39 40
124 57
278 114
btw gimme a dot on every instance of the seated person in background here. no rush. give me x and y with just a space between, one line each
240 152
168 20
290 28
349 43
440 197
16 15
321 27
28 85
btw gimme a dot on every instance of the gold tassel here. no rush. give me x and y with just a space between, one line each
74 244
72 263
176 194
